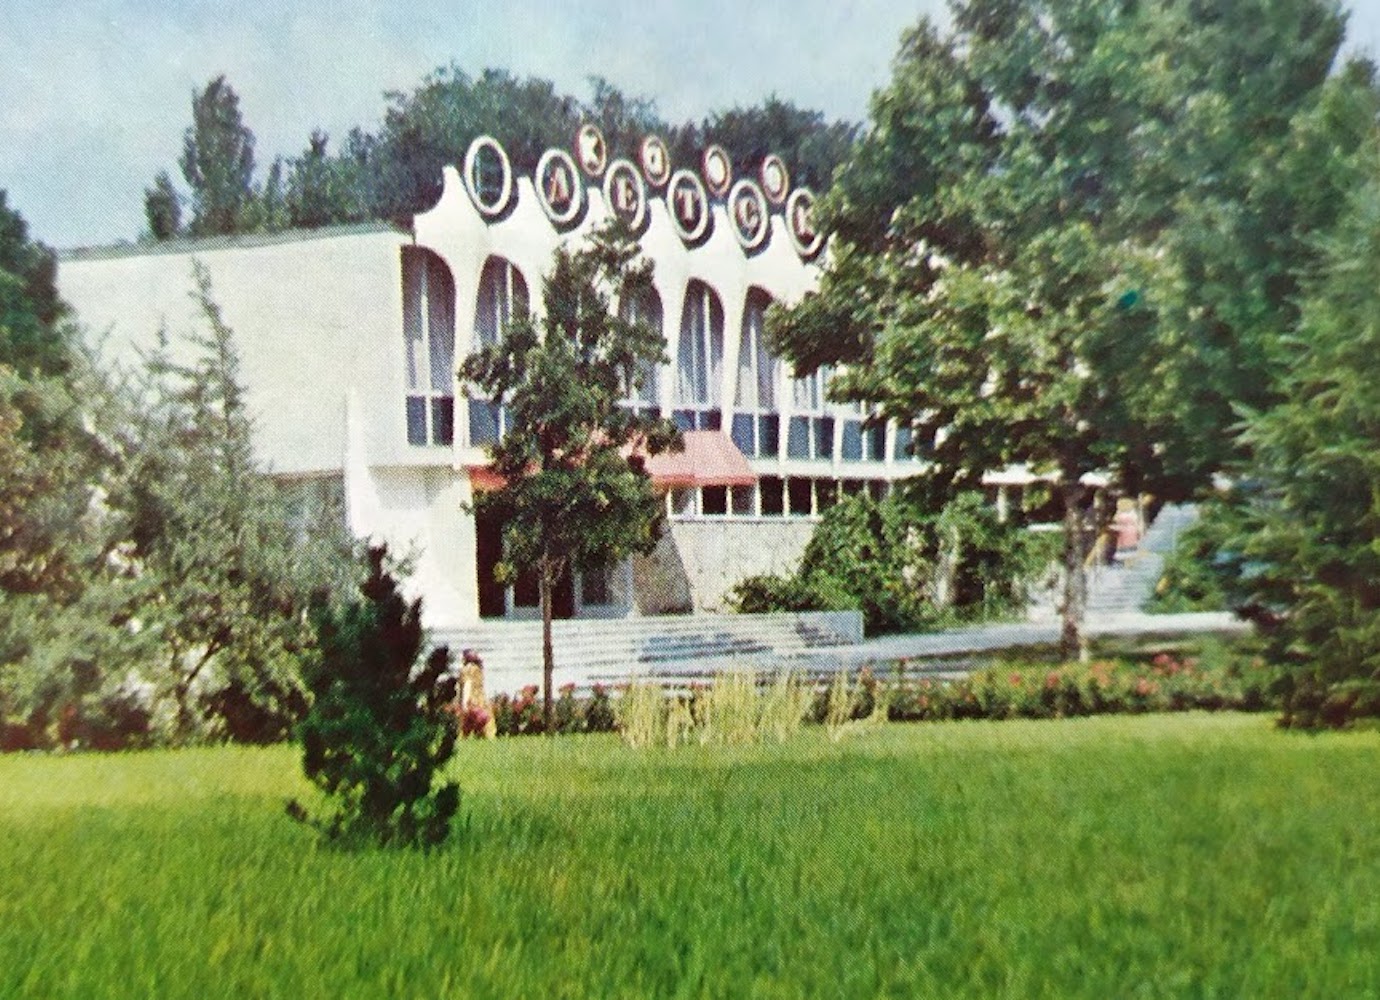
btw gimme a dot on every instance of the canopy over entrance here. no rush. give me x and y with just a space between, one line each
710 458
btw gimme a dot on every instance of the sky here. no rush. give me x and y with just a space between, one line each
95 94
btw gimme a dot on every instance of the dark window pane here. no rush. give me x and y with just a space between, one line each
483 422
824 437
773 498
852 441
904 436
826 493
852 487
443 420
714 500
877 436
594 586
525 591
798 441
711 420
769 435
416 420
684 419
741 497
743 424
799 492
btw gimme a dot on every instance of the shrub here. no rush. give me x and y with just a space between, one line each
1160 682
377 732
598 712
767 592
519 715
906 566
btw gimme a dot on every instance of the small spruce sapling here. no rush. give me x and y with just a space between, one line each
378 733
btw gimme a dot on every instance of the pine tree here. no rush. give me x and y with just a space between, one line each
378 734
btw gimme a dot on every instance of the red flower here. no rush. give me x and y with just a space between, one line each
473 720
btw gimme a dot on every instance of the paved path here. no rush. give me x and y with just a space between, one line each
947 652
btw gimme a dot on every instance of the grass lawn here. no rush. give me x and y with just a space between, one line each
1173 855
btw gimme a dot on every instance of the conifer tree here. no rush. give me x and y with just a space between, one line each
377 733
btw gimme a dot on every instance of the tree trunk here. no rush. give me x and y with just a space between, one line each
1071 640
548 655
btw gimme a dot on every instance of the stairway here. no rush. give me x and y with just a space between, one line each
1126 586
590 650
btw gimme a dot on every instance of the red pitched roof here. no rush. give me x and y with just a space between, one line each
710 458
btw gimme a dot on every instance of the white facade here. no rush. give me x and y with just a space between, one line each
350 339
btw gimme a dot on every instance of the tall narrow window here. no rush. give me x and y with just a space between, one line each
429 331
811 433
502 299
643 392
864 436
756 425
700 360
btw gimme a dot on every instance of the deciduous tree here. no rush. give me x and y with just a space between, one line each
218 161
1008 240
163 208
574 498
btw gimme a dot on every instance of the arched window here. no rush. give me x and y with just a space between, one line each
700 360
642 396
502 299
429 332
756 425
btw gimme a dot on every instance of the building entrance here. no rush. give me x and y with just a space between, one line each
494 597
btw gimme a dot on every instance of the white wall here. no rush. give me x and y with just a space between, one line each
717 554
313 315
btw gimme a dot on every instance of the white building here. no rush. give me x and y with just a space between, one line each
350 338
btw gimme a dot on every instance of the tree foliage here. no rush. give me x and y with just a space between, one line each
204 520
380 729
395 173
1299 543
321 189
163 208
573 497
905 566
218 161
33 340
1009 270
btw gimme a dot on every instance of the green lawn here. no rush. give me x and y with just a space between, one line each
1110 857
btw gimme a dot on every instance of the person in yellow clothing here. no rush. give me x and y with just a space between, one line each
476 715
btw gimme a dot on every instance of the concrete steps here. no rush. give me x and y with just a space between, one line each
1126 587
589 650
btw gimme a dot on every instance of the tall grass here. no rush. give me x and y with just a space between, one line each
734 710
641 713
1159 856
785 703
730 709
